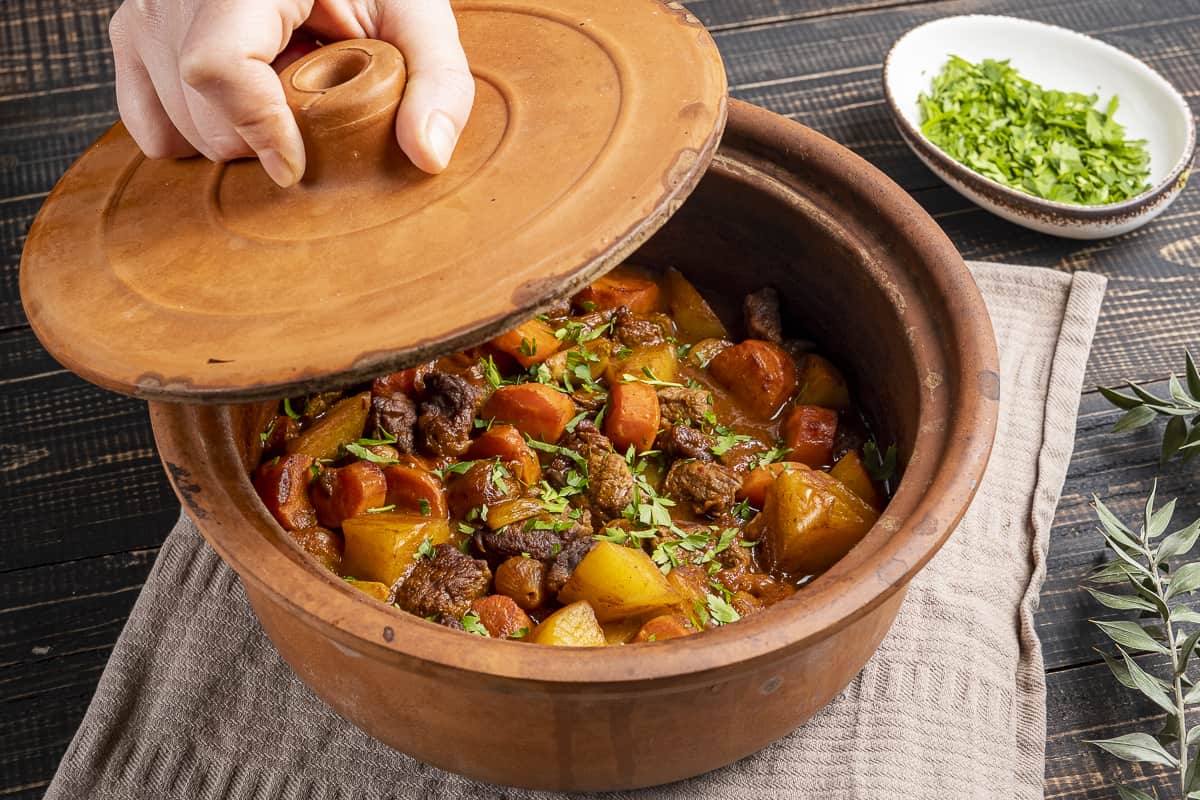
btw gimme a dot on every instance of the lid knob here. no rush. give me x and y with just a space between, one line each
345 96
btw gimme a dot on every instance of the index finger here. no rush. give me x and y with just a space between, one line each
226 58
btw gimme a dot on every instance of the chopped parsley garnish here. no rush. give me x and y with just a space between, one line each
519 633
426 509
879 467
381 509
769 457
424 550
537 444
650 378
384 438
358 450
528 348
287 408
1046 143
471 624
575 332
575 420
719 610
265 435
457 468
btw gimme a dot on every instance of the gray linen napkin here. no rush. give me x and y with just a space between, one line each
195 703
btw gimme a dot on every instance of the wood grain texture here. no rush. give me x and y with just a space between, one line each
85 504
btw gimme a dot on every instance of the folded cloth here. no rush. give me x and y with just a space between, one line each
195 702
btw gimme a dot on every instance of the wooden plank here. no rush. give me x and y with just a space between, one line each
1120 469
68 608
1087 703
80 473
1148 318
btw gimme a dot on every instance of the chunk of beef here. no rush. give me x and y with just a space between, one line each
683 441
566 561
678 403
610 483
483 484
703 487
444 584
448 413
543 537
393 414
760 311
282 483
640 330
742 457
585 436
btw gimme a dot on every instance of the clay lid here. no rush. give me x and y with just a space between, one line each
192 281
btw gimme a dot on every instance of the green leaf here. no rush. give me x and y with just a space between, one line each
1179 543
1112 572
1174 437
1122 602
1119 399
1147 396
1157 520
1192 695
1130 793
1113 525
1175 388
1118 669
1184 614
1148 685
1193 376
1130 635
1185 651
1133 419
1136 747
1184 580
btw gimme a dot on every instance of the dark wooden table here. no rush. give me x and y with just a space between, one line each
84 506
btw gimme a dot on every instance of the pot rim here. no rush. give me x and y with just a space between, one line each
942 477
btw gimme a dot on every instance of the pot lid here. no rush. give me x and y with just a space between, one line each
190 281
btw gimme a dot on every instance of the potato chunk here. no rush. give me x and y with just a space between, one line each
658 360
693 315
380 547
340 425
619 582
821 384
810 521
571 626
850 470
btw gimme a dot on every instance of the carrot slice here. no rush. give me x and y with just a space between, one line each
756 481
506 442
344 492
633 416
535 409
760 375
408 485
809 431
624 286
529 343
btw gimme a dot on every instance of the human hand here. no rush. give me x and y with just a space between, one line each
195 76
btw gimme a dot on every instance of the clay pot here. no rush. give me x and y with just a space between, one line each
864 271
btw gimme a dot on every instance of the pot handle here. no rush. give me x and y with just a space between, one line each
345 96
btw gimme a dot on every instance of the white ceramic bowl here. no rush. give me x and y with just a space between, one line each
1056 58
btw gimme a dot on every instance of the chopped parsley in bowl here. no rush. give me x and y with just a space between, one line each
1051 144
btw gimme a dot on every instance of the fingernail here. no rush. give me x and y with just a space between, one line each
441 134
282 171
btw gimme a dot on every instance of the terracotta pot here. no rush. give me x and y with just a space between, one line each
865 272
